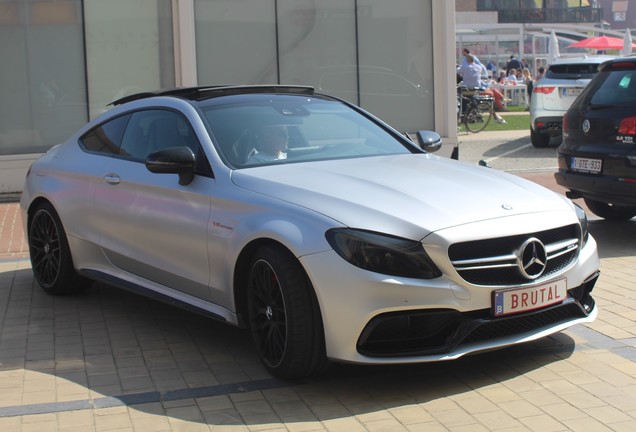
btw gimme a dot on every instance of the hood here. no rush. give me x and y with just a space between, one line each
405 195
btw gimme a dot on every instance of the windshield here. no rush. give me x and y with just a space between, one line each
252 130
572 71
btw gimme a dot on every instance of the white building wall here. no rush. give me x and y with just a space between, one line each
183 72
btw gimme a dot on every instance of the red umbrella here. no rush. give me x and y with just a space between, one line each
600 43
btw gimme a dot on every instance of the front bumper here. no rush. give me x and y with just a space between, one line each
422 333
378 319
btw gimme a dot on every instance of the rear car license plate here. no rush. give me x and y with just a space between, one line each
572 91
593 166
511 301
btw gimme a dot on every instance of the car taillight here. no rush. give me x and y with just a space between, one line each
627 126
620 65
564 125
544 90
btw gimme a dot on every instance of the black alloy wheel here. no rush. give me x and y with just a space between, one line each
284 317
50 254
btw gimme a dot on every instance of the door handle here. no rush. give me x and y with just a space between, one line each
112 179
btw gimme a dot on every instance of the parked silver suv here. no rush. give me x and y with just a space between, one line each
552 95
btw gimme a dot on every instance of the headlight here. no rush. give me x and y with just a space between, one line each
583 222
382 253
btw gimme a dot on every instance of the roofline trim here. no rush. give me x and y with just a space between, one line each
206 92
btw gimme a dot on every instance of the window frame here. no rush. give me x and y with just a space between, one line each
202 165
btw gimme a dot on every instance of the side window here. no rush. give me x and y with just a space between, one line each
152 130
107 137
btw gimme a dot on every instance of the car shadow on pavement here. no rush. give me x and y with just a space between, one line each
107 348
505 147
614 238
526 152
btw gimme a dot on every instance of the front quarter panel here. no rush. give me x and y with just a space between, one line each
241 219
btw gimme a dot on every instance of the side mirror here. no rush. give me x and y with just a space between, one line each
173 160
429 141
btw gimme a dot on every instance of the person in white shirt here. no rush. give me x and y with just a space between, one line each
512 76
272 143
470 72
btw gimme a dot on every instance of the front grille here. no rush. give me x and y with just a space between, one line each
493 262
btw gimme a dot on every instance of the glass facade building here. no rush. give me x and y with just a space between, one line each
64 61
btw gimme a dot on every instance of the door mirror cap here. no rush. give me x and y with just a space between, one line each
173 160
429 141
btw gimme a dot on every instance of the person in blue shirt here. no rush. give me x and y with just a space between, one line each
471 72
492 68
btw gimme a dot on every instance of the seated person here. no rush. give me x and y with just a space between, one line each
496 94
471 74
512 77
271 145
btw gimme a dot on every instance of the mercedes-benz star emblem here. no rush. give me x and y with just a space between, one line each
532 258
586 125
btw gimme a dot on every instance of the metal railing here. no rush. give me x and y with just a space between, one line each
549 15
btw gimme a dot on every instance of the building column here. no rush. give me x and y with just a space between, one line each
444 70
185 50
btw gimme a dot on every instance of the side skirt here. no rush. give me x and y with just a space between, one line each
162 297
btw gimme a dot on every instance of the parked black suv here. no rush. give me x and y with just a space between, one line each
597 158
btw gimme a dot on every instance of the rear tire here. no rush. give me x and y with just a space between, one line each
538 139
609 211
50 254
284 316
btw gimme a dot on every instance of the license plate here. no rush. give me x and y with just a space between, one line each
572 91
593 166
511 301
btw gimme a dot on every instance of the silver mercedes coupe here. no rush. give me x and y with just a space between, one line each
301 217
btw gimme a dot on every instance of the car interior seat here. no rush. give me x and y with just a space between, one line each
245 145
163 133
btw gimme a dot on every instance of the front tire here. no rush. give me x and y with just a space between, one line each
284 316
610 211
50 254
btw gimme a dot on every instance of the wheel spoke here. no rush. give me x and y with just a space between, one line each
267 313
45 248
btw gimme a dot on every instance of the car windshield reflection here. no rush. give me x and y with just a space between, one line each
262 131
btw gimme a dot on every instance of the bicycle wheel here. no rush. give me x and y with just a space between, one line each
478 116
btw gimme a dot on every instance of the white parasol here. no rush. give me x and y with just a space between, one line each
553 48
627 43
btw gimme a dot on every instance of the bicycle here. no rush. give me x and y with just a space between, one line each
474 111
